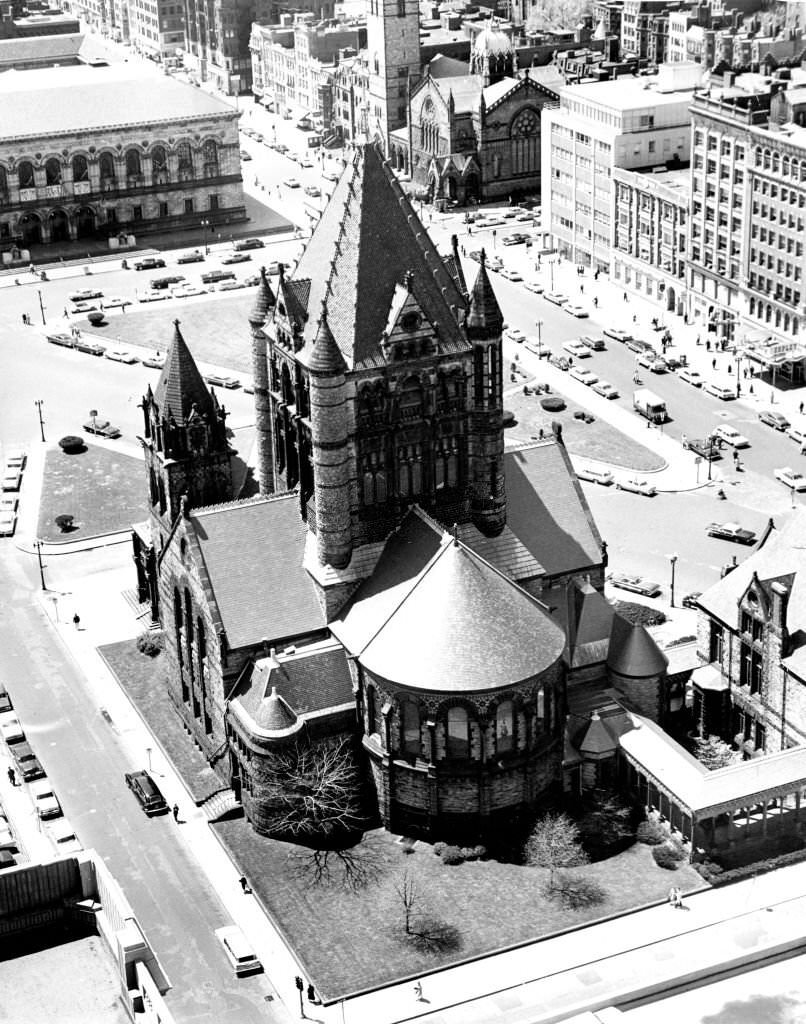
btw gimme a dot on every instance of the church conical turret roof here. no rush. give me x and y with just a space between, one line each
181 386
485 314
633 652
326 358
264 301
365 242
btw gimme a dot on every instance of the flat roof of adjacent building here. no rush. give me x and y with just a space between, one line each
75 979
54 101
627 93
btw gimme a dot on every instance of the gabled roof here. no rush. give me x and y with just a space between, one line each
465 89
366 241
633 652
453 623
181 386
252 553
445 67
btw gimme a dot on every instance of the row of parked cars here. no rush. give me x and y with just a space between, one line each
13 466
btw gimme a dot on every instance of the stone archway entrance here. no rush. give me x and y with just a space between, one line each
472 187
670 300
85 223
59 226
31 229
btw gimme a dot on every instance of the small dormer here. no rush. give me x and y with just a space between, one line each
408 333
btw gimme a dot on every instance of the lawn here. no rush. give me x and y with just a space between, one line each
103 491
216 329
598 440
490 904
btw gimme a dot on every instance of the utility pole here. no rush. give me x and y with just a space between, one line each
39 403
38 546
41 306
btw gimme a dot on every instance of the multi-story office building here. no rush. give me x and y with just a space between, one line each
218 35
639 31
632 123
651 215
154 27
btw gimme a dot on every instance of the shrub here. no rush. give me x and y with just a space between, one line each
452 855
709 869
553 403
651 832
71 443
438 848
64 522
473 852
151 644
639 614
668 855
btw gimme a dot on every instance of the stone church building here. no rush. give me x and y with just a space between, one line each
402 579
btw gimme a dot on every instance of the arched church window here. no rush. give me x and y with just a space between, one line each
159 165
132 163
369 488
374 715
81 169
184 159
525 142
189 634
505 727
106 167
25 174
457 739
53 172
410 723
411 399
210 158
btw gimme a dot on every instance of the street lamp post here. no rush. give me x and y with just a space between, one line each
539 325
38 546
551 271
205 225
41 306
39 403
673 560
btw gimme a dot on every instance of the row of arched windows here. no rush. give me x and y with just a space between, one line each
771 314
458 721
785 166
107 166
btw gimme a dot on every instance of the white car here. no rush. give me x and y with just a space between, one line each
605 389
575 310
8 520
790 478
154 296
636 486
515 334
292 183
577 349
617 334
116 302
731 436
719 391
12 478
84 307
8 504
511 275
596 476
584 376
691 377
10 728
534 346
556 297
16 457
120 355
305 161
156 362
534 286
330 176
45 800
84 294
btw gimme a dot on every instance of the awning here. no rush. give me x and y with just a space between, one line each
709 678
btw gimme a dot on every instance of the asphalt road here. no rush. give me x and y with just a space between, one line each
85 755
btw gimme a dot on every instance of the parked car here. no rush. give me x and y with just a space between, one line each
556 297
510 275
798 435
594 343
584 376
228 286
156 362
8 522
5 700
245 155
147 792
152 296
731 531
638 346
116 302
85 307
605 389
635 584
161 284
515 334
730 435
719 391
149 263
291 183
84 294
691 600
91 348
691 377
63 835
221 381
237 257
238 950
330 176
576 310
560 362
60 339
791 478
10 728
708 448
120 355
579 351
636 486
192 257
101 427
534 286
596 476
26 761
218 275
652 361
11 478
313 191
774 419
186 291
616 334
45 800
16 457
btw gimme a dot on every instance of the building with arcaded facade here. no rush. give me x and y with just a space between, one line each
401 582
130 151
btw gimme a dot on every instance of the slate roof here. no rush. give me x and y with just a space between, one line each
264 300
465 89
484 317
365 242
181 386
446 621
443 67
47 49
252 553
312 680
633 652
34 106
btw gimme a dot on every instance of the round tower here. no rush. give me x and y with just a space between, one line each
258 315
331 456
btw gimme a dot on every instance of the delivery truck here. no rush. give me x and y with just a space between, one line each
649 405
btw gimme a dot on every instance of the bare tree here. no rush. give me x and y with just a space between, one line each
554 843
557 14
353 869
409 897
714 753
425 933
314 790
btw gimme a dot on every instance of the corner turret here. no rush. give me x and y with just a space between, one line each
260 313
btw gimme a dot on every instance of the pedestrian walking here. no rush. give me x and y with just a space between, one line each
713 364
66 314
244 884
707 344
582 289
418 992
312 998
175 812
635 318
800 408
12 776
77 620
625 297
678 897
673 896
684 440
595 302
24 318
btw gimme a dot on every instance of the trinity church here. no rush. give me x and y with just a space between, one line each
402 578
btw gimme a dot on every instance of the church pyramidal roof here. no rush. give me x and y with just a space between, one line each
485 314
366 241
181 385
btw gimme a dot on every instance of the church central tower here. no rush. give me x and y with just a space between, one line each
393 43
